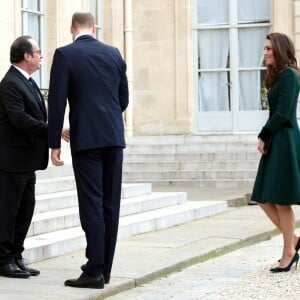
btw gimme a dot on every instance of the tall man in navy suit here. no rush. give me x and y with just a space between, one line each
92 76
23 149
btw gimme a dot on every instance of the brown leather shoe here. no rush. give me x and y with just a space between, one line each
85 281
106 276
23 266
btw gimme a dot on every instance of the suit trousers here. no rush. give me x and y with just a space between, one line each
17 201
98 175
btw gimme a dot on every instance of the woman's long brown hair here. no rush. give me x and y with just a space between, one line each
284 56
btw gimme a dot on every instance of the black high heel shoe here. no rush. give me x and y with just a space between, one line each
288 268
297 247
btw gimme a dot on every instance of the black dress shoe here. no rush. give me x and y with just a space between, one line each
21 264
85 281
11 270
106 276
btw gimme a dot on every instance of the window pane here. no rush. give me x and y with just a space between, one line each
253 95
213 53
32 25
213 91
213 48
253 11
94 6
212 12
31 4
250 90
251 44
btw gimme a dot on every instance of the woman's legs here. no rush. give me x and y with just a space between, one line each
287 225
282 216
272 212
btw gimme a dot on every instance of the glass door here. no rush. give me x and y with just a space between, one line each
229 38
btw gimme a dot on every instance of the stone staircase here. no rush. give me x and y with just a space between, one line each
203 161
55 228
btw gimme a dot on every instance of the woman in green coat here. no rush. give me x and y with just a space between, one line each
277 184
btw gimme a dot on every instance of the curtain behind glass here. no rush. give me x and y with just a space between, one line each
33 4
212 12
253 11
31 25
251 42
213 51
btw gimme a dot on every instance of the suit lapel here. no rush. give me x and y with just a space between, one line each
34 91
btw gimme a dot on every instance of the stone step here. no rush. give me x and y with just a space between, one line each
53 172
191 139
66 199
198 156
153 201
190 148
48 186
149 175
204 183
43 246
54 185
54 220
169 216
55 201
190 165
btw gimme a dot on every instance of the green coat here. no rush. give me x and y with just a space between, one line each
278 175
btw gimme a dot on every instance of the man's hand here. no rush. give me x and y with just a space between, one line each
65 134
55 157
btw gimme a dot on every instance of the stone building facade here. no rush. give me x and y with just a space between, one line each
161 42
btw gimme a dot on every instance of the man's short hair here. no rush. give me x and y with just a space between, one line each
83 19
19 47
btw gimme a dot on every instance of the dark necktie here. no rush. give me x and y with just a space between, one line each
36 89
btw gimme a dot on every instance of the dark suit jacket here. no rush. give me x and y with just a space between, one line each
23 127
92 75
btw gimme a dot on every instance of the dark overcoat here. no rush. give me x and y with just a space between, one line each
278 176
92 76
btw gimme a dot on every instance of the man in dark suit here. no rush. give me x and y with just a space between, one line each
92 76
24 149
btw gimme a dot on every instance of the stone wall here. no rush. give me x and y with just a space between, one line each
163 73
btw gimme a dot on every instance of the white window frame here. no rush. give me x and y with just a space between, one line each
39 76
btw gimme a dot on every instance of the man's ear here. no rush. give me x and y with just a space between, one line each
27 56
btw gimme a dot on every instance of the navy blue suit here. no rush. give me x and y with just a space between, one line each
23 149
92 76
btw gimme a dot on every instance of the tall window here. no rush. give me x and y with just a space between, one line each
230 38
33 25
95 7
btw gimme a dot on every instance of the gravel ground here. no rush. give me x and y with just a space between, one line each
240 275
261 285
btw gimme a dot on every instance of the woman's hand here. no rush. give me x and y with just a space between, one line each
261 146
